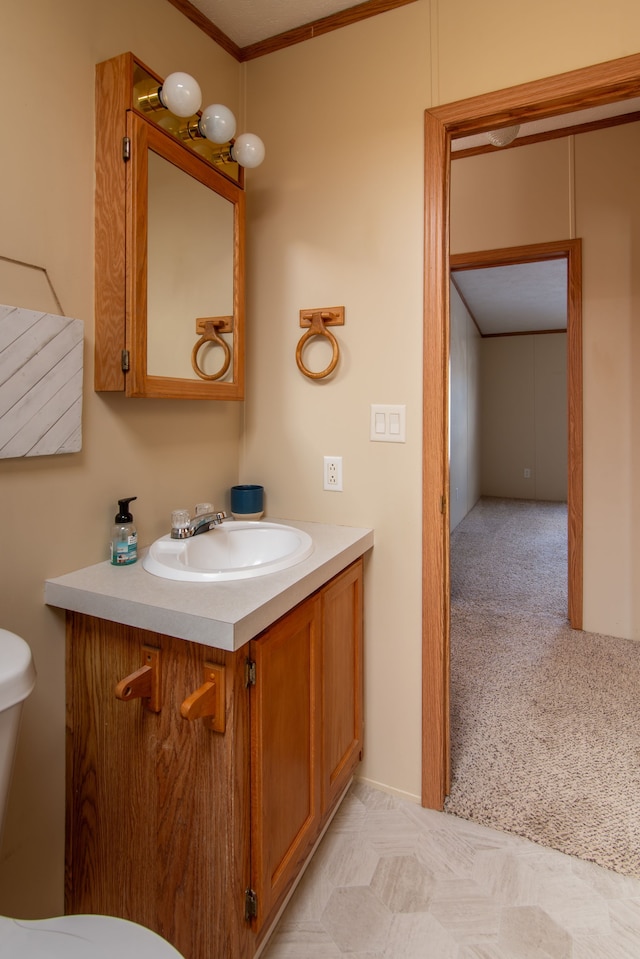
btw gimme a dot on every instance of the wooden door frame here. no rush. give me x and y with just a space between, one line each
552 96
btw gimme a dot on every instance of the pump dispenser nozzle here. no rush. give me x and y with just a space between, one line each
124 516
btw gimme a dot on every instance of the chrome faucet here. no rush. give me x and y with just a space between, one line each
183 526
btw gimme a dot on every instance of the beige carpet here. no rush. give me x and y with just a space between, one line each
545 720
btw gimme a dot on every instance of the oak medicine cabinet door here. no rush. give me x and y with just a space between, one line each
169 250
285 736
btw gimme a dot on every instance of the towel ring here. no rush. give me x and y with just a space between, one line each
210 335
318 328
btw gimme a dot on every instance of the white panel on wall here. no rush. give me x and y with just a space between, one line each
40 383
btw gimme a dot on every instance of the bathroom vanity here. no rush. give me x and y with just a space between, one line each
203 768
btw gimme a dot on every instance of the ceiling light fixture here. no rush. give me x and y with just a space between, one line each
503 137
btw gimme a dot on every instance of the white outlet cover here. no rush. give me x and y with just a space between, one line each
332 464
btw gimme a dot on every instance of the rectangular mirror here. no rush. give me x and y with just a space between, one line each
189 270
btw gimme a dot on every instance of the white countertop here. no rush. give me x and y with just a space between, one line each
222 615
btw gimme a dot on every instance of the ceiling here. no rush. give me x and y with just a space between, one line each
249 21
518 298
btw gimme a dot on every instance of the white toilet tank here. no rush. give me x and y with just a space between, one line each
17 679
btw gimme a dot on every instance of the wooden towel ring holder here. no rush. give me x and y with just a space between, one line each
210 335
317 321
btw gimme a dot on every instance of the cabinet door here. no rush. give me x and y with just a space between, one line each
157 807
342 726
285 734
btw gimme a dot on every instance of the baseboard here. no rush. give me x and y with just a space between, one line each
401 794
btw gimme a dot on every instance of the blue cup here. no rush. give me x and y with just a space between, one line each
247 501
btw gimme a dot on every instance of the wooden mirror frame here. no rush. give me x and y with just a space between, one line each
121 205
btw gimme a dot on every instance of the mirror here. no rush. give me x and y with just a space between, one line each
189 269
169 254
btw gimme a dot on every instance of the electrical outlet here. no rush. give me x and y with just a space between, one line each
333 473
527 473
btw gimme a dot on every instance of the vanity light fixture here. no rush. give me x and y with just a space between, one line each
180 94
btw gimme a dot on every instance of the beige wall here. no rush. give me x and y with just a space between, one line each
464 411
607 172
335 218
58 510
487 46
524 416
512 198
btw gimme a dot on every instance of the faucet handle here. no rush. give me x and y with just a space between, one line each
180 519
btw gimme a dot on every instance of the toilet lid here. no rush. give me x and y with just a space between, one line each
81 937
17 672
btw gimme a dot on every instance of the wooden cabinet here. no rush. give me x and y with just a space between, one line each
306 731
159 264
179 827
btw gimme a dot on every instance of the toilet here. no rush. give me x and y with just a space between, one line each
64 937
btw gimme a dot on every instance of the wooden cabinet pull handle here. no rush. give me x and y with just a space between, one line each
208 702
144 684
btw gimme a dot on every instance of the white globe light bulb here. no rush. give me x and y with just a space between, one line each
218 123
181 94
248 150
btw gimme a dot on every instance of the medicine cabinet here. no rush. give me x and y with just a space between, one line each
169 250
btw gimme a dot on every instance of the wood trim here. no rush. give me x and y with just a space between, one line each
136 233
113 83
344 18
565 93
317 28
207 26
435 563
145 137
495 336
575 464
512 256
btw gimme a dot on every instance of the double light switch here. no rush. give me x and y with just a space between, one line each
388 423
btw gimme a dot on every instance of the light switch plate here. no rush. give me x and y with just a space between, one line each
388 423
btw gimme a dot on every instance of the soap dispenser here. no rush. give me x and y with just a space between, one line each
124 538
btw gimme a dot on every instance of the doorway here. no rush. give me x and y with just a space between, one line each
570 92
569 251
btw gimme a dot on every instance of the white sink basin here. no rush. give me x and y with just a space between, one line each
233 550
